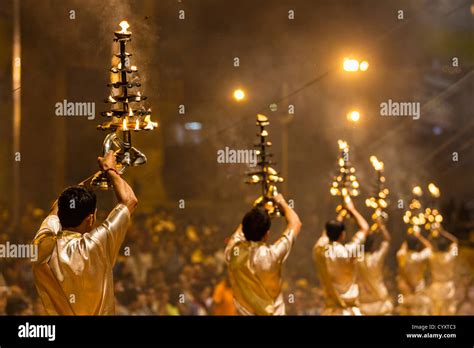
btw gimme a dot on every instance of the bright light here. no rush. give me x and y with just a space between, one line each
124 25
378 165
239 95
434 190
353 116
351 64
417 191
193 125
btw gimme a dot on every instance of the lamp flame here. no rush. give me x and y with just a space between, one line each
378 165
149 124
124 25
342 144
417 191
434 190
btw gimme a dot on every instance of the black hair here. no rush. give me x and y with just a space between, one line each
441 243
372 242
414 243
75 204
256 224
334 229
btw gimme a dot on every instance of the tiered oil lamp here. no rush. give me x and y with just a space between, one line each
378 201
127 112
266 176
414 217
344 184
432 215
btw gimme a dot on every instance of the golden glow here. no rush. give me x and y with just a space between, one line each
434 190
137 125
124 124
417 191
353 116
350 65
149 124
239 94
342 144
124 25
378 165
364 65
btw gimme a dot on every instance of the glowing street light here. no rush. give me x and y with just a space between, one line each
353 65
364 65
353 116
239 95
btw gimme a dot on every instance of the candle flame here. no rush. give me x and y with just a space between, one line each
434 190
417 191
149 124
137 125
130 112
378 165
124 25
342 144
124 124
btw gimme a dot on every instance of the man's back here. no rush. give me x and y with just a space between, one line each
255 273
411 269
336 265
73 273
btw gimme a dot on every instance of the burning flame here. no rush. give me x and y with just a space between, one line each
149 123
434 190
417 191
137 125
130 112
378 165
124 124
124 25
342 144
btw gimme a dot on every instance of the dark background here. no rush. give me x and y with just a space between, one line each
190 62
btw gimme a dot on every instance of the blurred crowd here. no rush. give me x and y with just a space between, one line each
173 266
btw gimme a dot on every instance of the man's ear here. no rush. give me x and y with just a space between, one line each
91 218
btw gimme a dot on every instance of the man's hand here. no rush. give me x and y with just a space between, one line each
349 204
279 199
291 217
108 161
123 191
361 222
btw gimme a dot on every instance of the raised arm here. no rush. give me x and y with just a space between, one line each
383 229
426 243
292 219
448 235
123 191
361 222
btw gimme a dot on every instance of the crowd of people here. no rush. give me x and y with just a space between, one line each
172 266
